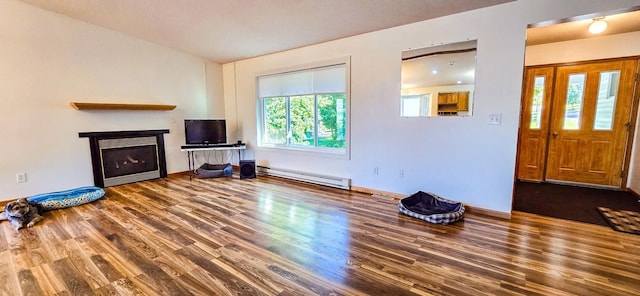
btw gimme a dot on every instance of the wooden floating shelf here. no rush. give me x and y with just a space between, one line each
106 106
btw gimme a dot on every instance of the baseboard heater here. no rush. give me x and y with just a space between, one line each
331 181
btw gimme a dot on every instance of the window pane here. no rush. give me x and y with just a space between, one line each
537 100
607 92
275 120
573 106
410 106
302 118
332 116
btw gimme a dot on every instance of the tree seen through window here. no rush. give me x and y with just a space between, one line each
309 120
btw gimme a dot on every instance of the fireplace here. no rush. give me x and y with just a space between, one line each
126 156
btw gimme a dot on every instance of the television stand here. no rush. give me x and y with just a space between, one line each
191 149
209 146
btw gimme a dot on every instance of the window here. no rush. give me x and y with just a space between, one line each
536 102
304 109
575 94
414 105
605 106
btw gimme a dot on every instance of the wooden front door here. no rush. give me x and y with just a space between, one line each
590 121
575 123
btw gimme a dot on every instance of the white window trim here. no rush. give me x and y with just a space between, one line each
321 151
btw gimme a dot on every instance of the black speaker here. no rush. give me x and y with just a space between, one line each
247 169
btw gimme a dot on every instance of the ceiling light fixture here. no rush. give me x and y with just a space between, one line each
598 26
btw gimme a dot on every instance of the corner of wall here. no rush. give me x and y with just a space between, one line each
230 101
215 90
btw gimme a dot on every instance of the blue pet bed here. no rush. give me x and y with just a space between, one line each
431 208
67 198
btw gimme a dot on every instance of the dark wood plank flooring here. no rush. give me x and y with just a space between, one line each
270 236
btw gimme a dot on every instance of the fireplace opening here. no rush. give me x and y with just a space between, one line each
129 160
127 157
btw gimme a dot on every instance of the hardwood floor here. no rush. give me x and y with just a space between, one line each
270 236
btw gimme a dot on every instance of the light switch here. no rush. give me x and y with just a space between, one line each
495 119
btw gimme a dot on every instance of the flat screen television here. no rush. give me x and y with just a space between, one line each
205 131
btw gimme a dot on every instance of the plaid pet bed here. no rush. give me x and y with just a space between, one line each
431 208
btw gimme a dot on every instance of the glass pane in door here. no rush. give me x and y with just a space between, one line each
573 106
607 92
536 104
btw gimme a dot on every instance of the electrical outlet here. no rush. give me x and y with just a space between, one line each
495 119
376 170
21 177
401 173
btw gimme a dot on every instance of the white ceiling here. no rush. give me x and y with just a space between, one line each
230 30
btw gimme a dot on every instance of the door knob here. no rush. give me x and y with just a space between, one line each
554 134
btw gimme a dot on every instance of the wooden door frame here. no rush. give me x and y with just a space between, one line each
633 120
635 101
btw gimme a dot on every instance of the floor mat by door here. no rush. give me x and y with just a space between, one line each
622 220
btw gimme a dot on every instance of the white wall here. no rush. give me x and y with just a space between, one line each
215 91
48 60
620 45
613 46
462 158
234 133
